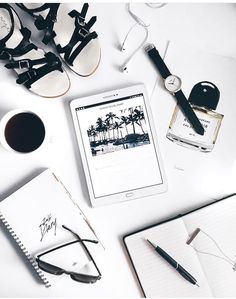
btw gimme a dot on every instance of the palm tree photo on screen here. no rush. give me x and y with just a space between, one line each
120 130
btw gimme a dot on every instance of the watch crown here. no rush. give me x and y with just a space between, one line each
149 47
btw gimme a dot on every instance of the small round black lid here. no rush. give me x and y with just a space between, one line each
205 94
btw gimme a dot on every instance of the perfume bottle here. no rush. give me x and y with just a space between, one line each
204 99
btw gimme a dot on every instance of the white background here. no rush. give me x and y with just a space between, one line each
211 27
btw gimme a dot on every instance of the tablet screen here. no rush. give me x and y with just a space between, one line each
118 144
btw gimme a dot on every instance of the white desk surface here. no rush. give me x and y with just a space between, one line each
211 27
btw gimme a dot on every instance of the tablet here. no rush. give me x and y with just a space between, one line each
118 145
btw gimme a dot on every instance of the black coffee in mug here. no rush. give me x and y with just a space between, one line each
24 132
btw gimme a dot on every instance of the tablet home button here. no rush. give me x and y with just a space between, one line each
130 194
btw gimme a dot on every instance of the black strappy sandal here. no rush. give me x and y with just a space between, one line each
77 44
38 71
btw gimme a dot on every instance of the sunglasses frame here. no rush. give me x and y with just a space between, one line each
73 275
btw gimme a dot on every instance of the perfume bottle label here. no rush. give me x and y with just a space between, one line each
182 127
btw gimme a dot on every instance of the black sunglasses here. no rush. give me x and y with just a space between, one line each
85 278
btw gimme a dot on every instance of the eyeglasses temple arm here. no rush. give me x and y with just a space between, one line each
58 247
85 247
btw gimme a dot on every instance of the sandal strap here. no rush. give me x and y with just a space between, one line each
80 21
25 63
23 47
46 23
81 34
80 15
70 59
51 63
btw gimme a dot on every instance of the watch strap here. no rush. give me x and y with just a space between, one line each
158 61
181 99
188 112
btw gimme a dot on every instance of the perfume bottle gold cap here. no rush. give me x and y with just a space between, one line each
205 94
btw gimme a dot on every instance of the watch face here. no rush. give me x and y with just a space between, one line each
173 83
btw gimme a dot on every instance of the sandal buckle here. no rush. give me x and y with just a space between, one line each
53 18
31 73
24 64
81 20
8 55
2 53
83 32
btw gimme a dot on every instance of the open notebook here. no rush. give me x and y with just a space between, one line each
34 216
210 257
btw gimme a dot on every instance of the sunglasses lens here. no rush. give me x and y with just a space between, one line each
49 268
84 278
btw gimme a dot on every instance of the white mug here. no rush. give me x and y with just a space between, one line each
22 131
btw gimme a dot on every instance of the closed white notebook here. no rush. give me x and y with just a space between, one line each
34 216
210 258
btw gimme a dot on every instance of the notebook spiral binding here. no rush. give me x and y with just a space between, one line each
26 253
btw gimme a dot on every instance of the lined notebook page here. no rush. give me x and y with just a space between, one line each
219 222
157 277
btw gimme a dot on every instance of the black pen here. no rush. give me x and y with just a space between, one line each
174 264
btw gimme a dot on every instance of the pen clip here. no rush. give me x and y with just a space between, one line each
193 236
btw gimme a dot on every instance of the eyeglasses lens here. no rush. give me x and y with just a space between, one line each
49 268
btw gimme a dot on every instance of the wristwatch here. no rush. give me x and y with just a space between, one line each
173 84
